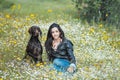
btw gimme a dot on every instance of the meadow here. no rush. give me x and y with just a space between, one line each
96 47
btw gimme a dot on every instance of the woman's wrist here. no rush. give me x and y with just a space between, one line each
73 65
72 68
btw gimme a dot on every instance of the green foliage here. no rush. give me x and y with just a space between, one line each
43 9
5 4
99 10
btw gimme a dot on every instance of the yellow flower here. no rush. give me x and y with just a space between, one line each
60 73
15 42
92 30
19 33
32 15
49 10
27 18
18 59
10 41
105 37
7 16
1 24
87 69
101 48
97 65
100 25
1 18
1 78
4 43
43 38
13 7
39 64
44 63
19 6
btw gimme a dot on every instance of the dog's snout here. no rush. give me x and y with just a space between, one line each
37 31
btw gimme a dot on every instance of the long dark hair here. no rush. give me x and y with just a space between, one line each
48 42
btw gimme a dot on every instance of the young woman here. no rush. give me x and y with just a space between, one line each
60 50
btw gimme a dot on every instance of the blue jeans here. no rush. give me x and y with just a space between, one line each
61 64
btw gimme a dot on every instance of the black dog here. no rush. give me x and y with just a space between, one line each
34 48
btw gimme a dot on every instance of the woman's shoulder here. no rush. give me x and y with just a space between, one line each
67 41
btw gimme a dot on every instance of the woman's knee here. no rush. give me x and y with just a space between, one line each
61 62
56 61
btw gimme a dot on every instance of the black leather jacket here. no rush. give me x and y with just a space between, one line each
64 51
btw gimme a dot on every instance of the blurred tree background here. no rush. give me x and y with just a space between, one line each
4 4
106 11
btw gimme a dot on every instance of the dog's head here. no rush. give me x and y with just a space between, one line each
35 31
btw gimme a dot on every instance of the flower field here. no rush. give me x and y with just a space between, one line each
96 48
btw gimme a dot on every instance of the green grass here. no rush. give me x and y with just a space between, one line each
43 9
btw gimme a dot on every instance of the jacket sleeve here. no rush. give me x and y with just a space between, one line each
69 46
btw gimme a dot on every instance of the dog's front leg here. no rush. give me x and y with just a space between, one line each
39 58
25 56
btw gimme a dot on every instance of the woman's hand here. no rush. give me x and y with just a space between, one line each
70 69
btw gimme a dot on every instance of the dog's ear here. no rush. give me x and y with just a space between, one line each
30 30
40 31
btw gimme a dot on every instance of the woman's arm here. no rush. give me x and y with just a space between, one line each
69 46
71 56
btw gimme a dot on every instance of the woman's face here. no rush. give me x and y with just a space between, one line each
55 33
